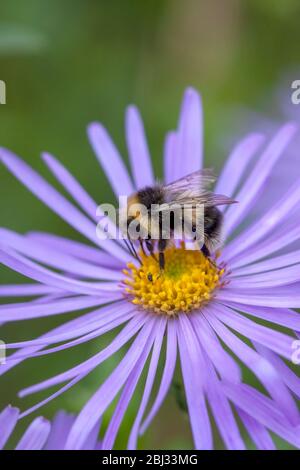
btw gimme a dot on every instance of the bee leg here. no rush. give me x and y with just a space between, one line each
142 246
161 248
134 251
149 246
205 251
207 255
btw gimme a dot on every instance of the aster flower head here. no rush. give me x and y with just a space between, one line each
208 315
42 434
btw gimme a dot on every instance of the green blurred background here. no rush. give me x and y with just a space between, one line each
66 63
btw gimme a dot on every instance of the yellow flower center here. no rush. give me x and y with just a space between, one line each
187 282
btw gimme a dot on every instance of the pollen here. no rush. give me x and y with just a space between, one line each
188 281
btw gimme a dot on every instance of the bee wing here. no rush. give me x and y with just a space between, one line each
195 183
207 199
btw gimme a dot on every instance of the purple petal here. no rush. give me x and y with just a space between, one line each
110 160
122 338
24 290
138 149
99 402
282 297
67 327
279 277
125 398
266 224
98 319
37 272
171 158
19 311
192 365
280 240
279 316
92 439
255 182
108 326
79 194
76 249
263 410
60 428
257 432
55 201
287 375
171 355
223 362
190 129
222 411
54 395
160 327
237 164
44 253
278 342
262 368
8 419
269 264
35 436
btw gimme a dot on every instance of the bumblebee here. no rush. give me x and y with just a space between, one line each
184 196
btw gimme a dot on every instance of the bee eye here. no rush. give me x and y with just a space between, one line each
150 277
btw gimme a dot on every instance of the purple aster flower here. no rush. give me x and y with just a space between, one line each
210 317
42 434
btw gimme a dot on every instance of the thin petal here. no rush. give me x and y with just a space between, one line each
78 193
160 331
171 158
99 402
282 261
108 326
125 398
280 316
190 133
278 277
265 224
222 411
138 149
257 432
60 428
280 240
192 363
66 327
27 311
237 164
223 362
55 201
46 254
254 184
38 273
122 338
263 410
171 355
35 436
262 368
8 419
98 319
287 375
76 249
280 298
275 340
25 290
110 160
